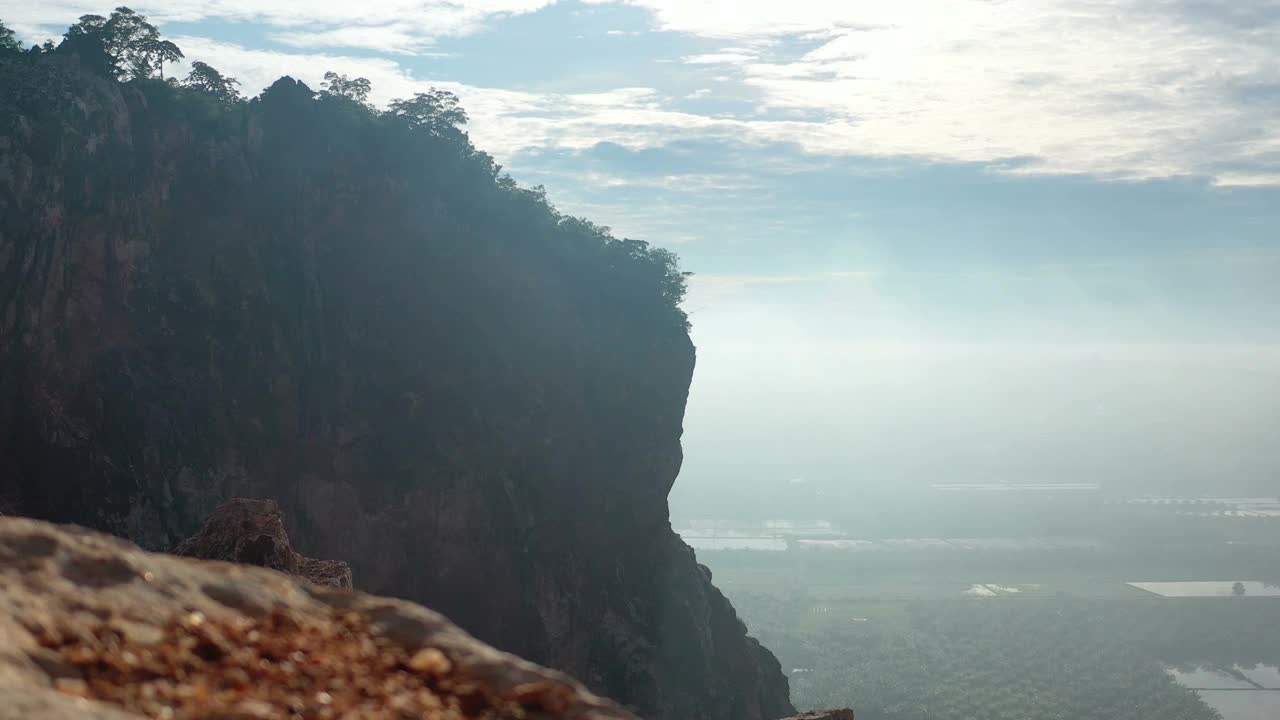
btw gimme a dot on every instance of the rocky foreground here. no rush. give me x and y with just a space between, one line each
93 627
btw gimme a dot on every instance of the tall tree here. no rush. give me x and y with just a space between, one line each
356 89
8 43
162 51
130 39
436 111
87 25
129 42
208 80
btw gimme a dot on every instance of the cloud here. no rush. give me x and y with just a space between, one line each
392 38
257 69
715 284
344 21
1120 89
503 122
1117 88
719 58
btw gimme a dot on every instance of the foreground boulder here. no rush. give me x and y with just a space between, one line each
93 627
251 532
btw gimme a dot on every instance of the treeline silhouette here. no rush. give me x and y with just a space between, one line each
427 128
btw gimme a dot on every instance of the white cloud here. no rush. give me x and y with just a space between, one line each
719 58
393 38
257 69
1246 179
1116 88
503 122
346 20
1126 88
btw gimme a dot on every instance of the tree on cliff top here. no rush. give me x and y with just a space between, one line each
161 51
8 43
336 85
123 45
435 111
208 80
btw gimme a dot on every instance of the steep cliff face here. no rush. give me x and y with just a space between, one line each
439 380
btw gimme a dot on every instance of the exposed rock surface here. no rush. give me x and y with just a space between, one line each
91 627
278 301
251 532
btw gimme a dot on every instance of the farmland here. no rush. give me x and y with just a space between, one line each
922 636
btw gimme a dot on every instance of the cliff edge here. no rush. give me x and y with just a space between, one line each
473 400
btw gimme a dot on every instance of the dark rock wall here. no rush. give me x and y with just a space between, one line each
271 303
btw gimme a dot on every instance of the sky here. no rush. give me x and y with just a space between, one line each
933 240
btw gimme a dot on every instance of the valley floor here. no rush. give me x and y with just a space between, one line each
935 635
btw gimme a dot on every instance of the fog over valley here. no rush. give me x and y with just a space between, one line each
640 359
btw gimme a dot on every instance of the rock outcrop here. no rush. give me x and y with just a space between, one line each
474 401
91 627
251 532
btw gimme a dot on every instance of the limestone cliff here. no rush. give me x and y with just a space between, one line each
474 401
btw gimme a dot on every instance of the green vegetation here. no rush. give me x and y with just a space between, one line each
124 44
436 112
209 81
8 42
336 85
420 139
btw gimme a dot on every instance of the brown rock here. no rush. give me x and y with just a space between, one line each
251 532
298 650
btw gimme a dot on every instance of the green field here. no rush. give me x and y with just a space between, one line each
1076 642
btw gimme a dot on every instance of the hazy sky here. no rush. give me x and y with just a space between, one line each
934 239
